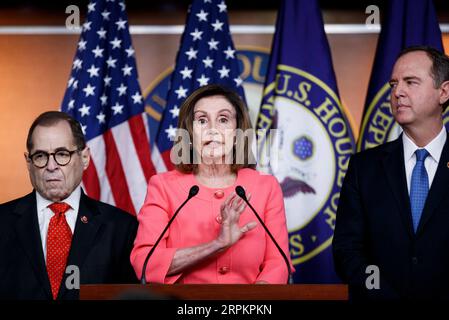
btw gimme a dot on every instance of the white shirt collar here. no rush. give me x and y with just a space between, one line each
434 147
73 200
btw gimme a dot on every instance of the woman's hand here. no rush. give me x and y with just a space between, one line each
231 210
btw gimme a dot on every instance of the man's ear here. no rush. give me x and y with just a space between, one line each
85 157
27 160
444 92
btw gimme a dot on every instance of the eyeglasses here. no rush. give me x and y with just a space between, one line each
61 157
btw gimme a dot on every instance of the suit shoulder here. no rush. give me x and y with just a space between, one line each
375 153
12 204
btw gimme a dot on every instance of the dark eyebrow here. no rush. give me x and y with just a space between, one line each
411 78
56 150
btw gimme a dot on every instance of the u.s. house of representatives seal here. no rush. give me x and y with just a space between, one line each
308 153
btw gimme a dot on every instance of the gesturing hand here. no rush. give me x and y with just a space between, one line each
231 210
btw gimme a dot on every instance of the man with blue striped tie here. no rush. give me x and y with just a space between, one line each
394 205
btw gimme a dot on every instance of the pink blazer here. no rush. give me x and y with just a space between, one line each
254 257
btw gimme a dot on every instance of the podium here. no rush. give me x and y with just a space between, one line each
214 292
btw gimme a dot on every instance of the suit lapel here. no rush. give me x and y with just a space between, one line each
27 228
438 189
88 223
393 164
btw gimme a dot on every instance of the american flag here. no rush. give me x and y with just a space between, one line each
103 94
206 55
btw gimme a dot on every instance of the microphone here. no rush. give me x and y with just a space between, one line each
241 193
192 192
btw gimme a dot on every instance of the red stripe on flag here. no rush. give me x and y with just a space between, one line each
116 175
166 157
91 182
140 138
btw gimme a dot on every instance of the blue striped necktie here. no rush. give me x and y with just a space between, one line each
419 187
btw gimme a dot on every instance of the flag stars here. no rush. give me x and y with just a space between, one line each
186 73
120 24
102 33
116 43
191 53
121 90
98 52
127 70
104 99
105 14
71 104
101 117
229 52
82 45
89 90
91 7
213 44
93 72
130 51
117 108
77 64
137 98
203 80
86 25
70 82
107 81
222 6
202 16
217 25
174 112
196 34
122 4
238 81
181 92
84 110
208 62
111 62
84 129
171 132
224 72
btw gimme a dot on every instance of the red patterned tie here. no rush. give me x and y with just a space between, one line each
59 238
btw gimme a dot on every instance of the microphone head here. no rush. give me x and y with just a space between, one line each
240 192
193 191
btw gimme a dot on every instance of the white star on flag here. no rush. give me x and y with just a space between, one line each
181 92
175 112
171 132
203 80
224 72
84 110
89 90
196 34
191 53
208 62
101 117
121 90
118 108
202 16
213 44
137 98
98 52
127 70
217 25
115 43
186 73
229 53
93 72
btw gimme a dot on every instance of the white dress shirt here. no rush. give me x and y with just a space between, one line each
434 147
44 214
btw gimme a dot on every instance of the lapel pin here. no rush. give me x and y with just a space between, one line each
84 219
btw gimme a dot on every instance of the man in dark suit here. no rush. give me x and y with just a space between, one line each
55 234
393 211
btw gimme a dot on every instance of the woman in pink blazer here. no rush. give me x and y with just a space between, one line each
215 238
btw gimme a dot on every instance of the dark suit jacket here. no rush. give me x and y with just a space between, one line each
100 248
374 227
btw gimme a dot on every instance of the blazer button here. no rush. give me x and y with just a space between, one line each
414 260
223 270
219 194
